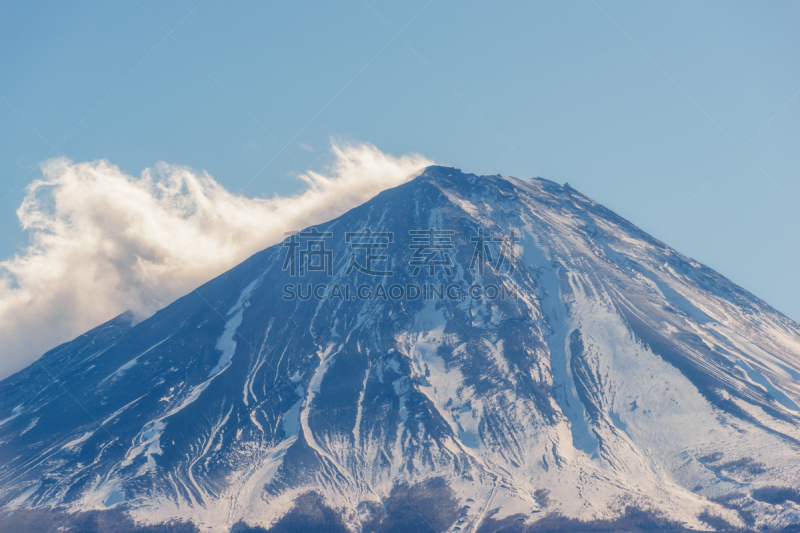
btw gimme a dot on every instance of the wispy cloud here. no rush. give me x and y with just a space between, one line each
100 240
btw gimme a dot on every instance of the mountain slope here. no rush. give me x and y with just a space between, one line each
598 371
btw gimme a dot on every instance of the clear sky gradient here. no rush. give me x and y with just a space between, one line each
680 116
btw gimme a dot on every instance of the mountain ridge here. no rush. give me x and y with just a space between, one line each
235 402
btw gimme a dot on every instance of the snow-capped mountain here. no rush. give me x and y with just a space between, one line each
459 353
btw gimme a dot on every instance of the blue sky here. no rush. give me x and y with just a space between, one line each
680 116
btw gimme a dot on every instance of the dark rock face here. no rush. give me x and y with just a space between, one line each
107 521
533 361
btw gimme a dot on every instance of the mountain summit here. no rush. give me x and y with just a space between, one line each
459 353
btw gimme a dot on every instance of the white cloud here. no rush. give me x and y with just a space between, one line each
101 240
